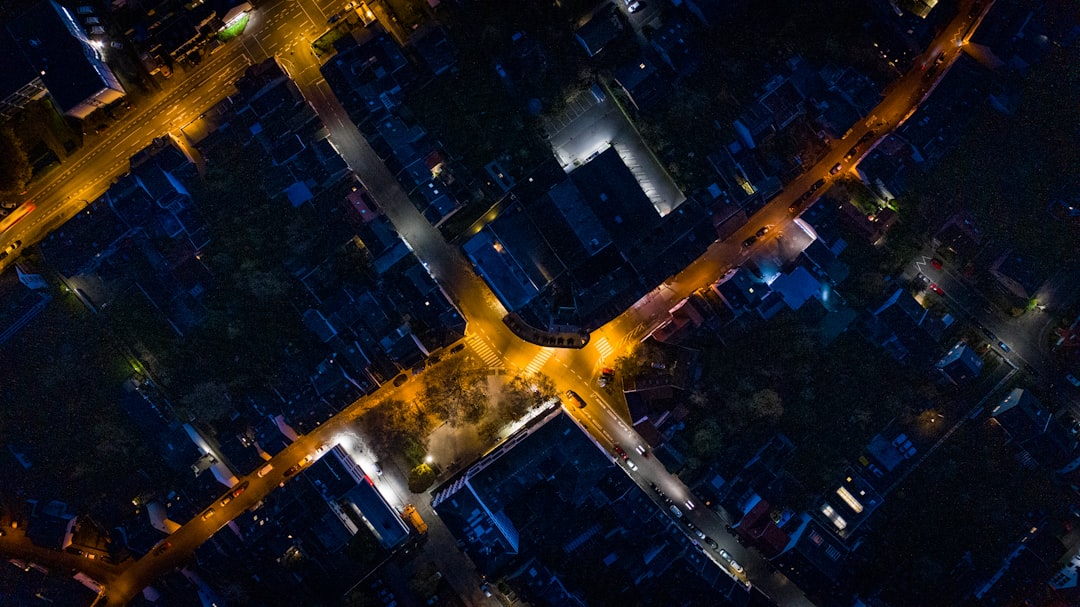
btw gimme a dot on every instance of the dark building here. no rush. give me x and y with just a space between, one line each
48 50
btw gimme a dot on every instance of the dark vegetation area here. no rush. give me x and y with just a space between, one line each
60 408
958 513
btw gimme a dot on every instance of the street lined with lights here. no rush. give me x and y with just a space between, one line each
276 28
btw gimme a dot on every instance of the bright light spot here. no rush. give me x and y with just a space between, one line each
428 459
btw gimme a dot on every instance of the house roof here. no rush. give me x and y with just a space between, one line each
796 287
758 527
784 103
642 83
604 26
615 197
883 451
1021 415
741 289
672 41
819 548
960 362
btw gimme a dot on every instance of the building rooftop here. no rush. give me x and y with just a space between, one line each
54 43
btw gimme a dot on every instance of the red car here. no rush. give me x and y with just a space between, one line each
621 453
936 263
936 289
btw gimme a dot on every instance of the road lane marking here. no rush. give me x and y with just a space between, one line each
481 347
604 347
540 360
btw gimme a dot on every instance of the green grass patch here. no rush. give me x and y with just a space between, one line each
325 43
234 30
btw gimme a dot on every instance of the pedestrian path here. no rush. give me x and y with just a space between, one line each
540 360
484 351
604 347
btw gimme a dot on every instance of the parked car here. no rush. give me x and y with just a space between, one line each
936 263
817 185
1069 377
675 511
936 289
711 542
635 6
1004 347
763 230
631 465
851 153
746 244
620 451
836 168
208 514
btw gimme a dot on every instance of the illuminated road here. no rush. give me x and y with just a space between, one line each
285 28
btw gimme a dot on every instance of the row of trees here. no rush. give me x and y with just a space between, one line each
15 169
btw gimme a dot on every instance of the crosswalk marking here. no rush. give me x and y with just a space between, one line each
604 348
539 360
482 349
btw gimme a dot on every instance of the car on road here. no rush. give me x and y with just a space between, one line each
631 465
936 289
701 534
746 244
457 348
936 263
635 6
817 185
576 398
642 451
1069 377
400 380
234 493
851 153
675 511
3 254
293 470
689 505
14 245
1004 346
836 168
736 566
208 514
162 547
711 542
620 451
763 230
724 555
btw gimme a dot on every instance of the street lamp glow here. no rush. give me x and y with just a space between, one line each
428 459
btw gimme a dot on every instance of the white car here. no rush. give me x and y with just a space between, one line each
631 465
634 6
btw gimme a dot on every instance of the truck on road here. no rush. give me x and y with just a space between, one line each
414 519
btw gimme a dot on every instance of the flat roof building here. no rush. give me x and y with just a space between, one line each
51 46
